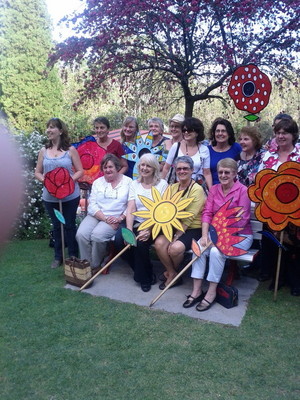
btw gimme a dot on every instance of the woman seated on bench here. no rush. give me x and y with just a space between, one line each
171 253
106 211
219 194
138 257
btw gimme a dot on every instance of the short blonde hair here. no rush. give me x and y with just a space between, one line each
228 163
150 160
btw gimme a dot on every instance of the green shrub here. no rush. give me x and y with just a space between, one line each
33 222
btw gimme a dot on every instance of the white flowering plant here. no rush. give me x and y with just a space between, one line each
33 222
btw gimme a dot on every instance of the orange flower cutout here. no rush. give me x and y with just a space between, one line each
278 195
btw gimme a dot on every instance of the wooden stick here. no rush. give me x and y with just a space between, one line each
62 234
178 276
107 265
278 266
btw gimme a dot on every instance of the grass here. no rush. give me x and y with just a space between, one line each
58 344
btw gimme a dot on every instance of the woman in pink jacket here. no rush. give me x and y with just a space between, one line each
228 188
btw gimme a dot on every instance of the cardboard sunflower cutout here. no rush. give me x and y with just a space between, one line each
163 212
140 148
278 195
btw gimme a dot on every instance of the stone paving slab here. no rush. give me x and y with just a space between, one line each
119 285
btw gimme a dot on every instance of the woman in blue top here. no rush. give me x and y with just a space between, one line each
59 153
222 145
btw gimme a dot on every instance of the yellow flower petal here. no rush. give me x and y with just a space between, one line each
146 224
176 197
168 232
184 203
155 194
167 193
184 214
142 214
148 203
155 231
177 224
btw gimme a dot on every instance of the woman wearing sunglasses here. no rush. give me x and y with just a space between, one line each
193 135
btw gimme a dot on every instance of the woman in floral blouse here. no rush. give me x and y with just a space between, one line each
285 149
251 155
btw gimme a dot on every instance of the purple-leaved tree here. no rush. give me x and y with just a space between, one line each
192 43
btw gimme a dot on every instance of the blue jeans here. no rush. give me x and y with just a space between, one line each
69 209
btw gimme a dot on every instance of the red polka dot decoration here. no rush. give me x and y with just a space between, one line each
250 90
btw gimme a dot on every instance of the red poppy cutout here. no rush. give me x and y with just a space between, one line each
250 90
59 183
90 154
278 195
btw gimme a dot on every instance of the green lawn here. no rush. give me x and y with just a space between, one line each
59 344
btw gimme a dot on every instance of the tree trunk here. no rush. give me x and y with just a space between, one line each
189 107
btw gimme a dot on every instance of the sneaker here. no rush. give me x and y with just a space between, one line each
55 263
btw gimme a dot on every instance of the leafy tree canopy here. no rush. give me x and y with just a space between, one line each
188 42
27 95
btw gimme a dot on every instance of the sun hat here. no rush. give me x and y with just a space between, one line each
177 118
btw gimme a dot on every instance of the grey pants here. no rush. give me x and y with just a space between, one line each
92 237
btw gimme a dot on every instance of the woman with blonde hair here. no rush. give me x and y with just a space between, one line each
129 131
138 257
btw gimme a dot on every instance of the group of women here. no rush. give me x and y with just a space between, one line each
209 174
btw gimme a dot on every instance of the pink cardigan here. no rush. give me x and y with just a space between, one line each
216 199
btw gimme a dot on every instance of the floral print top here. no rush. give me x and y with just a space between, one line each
271 158
247 169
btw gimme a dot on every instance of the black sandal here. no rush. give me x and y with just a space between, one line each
191 301
204 307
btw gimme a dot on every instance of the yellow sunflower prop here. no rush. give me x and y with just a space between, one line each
164 212
278 195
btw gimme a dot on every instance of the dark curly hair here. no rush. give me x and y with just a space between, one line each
229 129
194 124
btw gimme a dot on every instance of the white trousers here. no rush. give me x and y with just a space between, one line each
216 261
92 237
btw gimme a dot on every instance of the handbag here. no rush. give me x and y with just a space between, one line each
172 174
77 272
227 296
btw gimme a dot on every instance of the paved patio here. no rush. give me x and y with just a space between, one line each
119 285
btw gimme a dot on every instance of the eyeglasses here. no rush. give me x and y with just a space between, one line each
182 169
282 133
187 130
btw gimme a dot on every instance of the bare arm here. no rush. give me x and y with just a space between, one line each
38 173
204 239
129 217
165 170
76 163
208 177
124 166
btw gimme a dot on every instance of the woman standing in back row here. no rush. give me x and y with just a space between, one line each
59 153
222 145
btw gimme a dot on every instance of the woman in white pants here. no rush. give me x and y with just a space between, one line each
227 189
106 211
